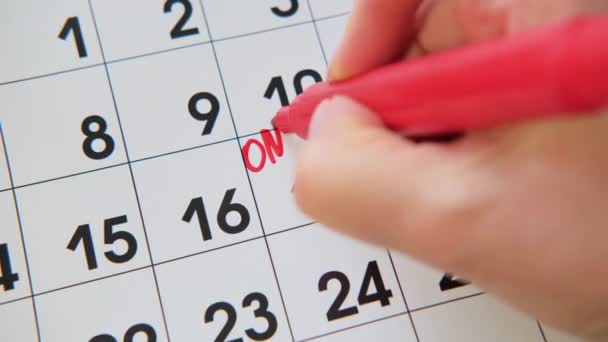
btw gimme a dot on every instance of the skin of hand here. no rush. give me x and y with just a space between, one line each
521 211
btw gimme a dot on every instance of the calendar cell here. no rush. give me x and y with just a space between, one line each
171 101
261 15
137 27
60 125
273 183
554 335
82 228
223 295
40 38
426 286
121 308
477 319
396 329
14 282
5 180
331 282
18 321
325 8
263 71
331 32
196 200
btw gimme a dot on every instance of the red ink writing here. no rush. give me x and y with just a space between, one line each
270 148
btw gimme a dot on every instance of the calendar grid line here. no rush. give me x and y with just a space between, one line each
354 326
22 236
542 331
215 249
124 141
279 28
66 71
15 300
426 307
219 69
159 263
90 281
314 24
291 229
409 314
118 274
148 54
72 175
134 161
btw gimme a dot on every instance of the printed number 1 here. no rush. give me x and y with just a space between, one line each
7 277
277 85
72 24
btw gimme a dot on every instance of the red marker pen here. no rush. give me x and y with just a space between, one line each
559 70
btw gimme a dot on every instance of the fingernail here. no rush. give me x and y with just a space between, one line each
318 117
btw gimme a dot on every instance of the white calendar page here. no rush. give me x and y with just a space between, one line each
143 196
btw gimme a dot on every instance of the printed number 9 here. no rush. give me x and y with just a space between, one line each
211 116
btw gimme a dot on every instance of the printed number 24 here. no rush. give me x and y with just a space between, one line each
372 274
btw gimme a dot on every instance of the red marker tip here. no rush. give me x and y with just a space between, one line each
281 120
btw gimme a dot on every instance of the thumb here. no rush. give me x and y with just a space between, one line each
356 176
346 170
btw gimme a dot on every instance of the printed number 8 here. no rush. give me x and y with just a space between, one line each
96 133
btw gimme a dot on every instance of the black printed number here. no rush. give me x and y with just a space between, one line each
209 117
261 312
83 235
178 30
278 86
94 128
136 330
7 277
288 12
197 207
372 275
72 24
449 282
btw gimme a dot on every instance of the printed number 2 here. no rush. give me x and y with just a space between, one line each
136 330
286 13
449 282
178 30
72 24
372 274
260 312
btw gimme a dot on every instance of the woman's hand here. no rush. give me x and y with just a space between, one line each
521 211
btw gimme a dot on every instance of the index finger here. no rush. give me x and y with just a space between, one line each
377 33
